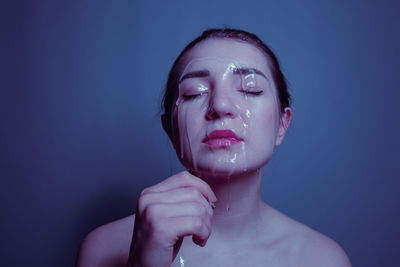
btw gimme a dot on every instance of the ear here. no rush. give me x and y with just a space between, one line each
284 123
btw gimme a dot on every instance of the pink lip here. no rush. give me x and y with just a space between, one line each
222 139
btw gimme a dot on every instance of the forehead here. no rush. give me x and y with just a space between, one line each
247 55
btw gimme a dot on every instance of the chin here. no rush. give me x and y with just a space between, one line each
225 163
223 170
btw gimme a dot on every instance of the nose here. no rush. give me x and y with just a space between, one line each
220 104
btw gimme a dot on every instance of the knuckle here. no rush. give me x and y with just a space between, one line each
142 203
193 192
180 175
150 212
176 178
184 176
197 223
199 208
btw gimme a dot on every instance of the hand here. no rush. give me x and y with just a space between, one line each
165 213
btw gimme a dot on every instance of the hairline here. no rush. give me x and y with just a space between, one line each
181 64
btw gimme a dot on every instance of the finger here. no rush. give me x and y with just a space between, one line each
176 195
183 179
168 210
198 241
190 226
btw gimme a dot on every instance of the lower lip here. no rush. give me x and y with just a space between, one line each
222 142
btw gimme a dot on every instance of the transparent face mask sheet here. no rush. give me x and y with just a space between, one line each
216 94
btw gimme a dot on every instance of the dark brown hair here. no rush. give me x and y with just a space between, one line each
171 92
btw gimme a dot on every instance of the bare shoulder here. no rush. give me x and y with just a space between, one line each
308 247
316 249
107 245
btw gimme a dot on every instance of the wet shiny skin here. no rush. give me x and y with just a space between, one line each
220 97
249 233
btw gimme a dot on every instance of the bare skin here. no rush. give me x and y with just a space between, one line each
270 239
175 224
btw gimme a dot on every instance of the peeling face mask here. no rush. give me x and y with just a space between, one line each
227 114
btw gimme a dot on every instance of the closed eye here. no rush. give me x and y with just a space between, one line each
190 97
254 93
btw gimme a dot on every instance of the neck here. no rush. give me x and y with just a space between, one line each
238 205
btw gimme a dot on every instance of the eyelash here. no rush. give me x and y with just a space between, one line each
245 92
190 97
253 93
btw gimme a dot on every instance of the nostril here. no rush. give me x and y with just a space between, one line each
217 113
212 114
220 106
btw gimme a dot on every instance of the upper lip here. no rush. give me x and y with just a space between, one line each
219 134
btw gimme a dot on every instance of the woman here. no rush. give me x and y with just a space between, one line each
226 108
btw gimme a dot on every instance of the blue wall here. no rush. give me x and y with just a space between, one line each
80 132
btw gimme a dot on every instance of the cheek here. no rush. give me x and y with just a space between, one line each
189 118
265 126
188 126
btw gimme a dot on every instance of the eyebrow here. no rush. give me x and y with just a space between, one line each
247 71
195 74
206 73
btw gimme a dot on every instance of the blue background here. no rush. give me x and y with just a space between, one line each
81 135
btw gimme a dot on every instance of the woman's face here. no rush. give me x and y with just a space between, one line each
226 118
